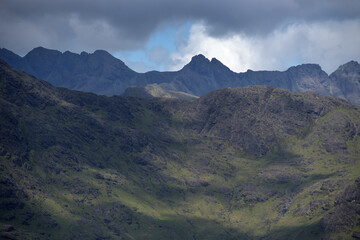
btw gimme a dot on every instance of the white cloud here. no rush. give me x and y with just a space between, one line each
328 43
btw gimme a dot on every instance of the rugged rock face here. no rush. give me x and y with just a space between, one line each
345 217
239 163
101 73
347 79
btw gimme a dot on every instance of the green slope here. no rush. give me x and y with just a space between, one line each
246 163
155 91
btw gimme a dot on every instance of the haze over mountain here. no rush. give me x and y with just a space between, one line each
102 73
239 163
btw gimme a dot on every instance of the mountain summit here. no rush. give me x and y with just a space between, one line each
347 79
102 73
197 62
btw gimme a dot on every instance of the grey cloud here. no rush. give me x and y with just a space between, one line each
131 22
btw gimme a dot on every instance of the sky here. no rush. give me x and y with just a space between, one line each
163 35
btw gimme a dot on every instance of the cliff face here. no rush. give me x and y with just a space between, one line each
347 79
238 163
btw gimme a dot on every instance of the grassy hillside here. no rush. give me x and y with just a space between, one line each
155 91
245 163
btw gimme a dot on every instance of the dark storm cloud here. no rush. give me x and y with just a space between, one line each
88 24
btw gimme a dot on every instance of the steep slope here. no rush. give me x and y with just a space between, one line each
239 163
347 78
103 74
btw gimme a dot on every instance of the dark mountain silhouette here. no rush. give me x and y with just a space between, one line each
104 74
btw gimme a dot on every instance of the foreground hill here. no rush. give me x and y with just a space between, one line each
238 163
104 74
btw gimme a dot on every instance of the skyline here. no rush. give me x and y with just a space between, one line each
162 35
195 56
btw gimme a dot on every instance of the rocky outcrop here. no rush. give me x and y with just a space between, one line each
347 208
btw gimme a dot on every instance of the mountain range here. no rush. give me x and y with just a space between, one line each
255 162
101 73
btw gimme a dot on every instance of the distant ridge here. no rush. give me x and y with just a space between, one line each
101 73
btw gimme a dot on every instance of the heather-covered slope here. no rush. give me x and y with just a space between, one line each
239 163
101 73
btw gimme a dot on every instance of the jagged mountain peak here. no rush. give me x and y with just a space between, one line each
350 66
41 51
347 77
103 54
50 53
106 57
351 63
199 57
306 67
215 62
197 62
200 64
